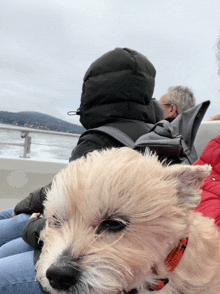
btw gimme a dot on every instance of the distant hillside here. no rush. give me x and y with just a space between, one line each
37 120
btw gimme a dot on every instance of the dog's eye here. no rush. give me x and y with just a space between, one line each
55 222
111 226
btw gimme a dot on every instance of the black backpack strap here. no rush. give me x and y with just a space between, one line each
114 133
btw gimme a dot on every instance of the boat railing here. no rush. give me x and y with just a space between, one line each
25 134
206 132
21 176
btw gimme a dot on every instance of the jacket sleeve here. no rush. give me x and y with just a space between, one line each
31 234
34 202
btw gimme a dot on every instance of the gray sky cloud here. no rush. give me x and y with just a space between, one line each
48 45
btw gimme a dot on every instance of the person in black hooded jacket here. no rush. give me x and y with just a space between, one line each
117 91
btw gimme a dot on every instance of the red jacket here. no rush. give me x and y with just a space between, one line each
210 202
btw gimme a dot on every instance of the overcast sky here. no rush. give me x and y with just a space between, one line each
47 45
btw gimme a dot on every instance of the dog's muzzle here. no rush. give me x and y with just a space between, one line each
62 274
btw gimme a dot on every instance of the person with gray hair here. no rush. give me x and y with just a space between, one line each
176 100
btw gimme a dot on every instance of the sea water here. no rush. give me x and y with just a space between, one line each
44 146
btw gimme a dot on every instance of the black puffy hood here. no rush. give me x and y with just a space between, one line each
119 85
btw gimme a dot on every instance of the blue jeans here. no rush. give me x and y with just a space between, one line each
17 275
11 230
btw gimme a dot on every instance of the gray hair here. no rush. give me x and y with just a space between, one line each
182 97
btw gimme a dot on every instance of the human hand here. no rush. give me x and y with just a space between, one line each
13 215
35 215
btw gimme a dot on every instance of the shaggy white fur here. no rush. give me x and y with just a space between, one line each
115 215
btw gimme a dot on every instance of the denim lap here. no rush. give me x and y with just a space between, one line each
11 228
17 275
13 247
6 213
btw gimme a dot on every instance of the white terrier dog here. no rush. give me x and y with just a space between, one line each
120 222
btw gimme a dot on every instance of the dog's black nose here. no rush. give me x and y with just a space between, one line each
62 275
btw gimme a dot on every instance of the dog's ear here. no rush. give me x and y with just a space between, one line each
188 180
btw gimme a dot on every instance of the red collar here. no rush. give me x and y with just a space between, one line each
171 262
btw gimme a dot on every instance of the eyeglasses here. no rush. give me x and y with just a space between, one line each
166 104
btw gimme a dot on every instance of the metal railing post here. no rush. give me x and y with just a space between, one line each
27 139
27 143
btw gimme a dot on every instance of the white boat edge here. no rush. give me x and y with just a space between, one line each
21 176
